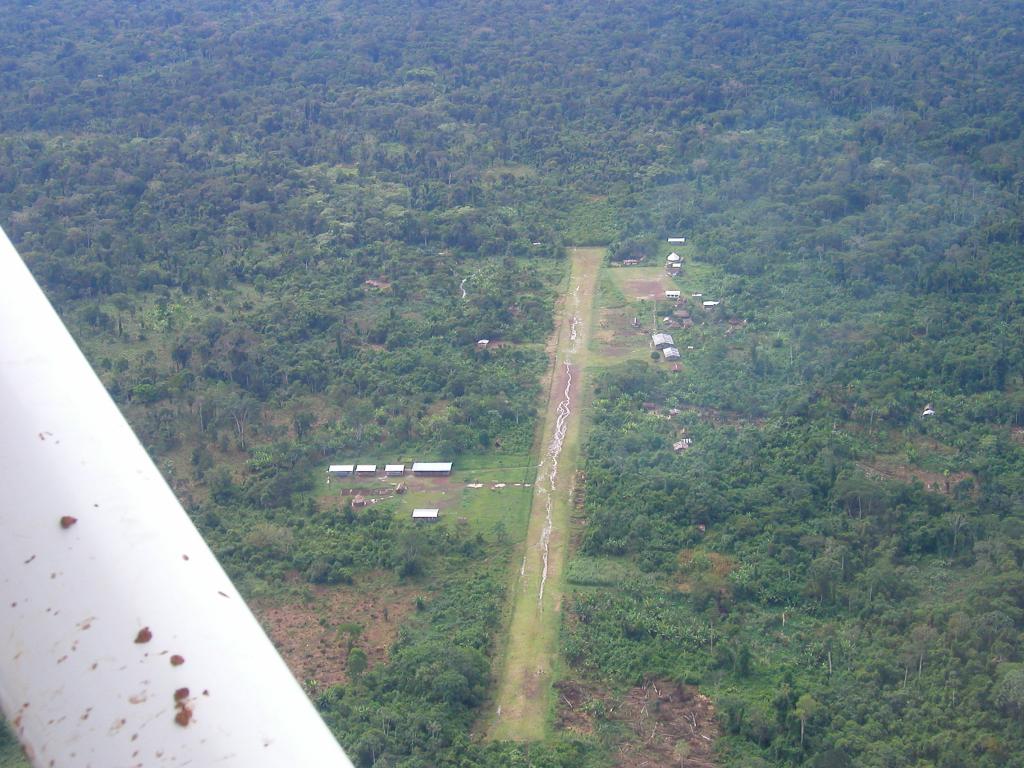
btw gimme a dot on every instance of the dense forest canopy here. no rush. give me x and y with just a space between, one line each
278 230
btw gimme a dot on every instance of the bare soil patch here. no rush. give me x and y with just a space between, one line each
905 473
719 417
670 724
314 637
646 288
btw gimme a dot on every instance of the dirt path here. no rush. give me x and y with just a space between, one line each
522 707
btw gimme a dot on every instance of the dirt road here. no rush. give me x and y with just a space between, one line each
522 709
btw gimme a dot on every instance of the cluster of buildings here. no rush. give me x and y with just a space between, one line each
419 469
664 341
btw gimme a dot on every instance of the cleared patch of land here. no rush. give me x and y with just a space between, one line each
664 723
938 482
315 636
524 700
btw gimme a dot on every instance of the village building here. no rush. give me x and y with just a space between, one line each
711 304
394 470
674 258
483 343
671 353
928 410
432 468
673 294
429 515
662 340
682 445
340 470
676 240
359 501
366 470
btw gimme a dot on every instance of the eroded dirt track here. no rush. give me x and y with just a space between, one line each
521 708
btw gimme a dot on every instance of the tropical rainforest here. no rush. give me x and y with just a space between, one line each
277 230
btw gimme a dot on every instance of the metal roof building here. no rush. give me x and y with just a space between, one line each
340 470
394 470
671 353
432 468
424 514
366 469
662 340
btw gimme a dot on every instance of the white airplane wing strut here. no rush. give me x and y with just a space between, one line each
122 641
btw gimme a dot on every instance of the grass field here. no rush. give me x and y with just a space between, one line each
522 707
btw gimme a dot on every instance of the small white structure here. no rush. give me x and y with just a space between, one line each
676 240
394 470
482 343
662 340
674 258
682 445
928 410
424 514
340 470
363 470
431 468
697 295
711 304
673 294
671 353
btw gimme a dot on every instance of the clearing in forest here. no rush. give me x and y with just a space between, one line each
523 702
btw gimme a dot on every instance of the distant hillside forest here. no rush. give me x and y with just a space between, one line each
278 230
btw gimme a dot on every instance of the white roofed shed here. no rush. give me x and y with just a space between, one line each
432 468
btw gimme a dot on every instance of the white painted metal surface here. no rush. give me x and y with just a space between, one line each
122 641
